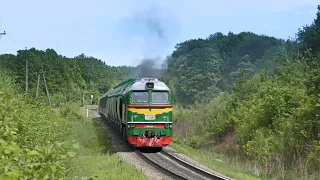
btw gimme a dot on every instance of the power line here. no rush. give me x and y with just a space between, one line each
11 38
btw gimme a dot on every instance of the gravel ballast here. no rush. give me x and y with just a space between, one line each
126 153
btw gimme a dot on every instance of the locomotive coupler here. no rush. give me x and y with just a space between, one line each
149 134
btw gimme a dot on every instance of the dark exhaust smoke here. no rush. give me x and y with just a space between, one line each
151 25
150 68
154 24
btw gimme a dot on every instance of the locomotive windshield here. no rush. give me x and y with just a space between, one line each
160 97
139 97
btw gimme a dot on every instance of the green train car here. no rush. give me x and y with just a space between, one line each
142 109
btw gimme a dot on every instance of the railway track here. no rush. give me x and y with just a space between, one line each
175 167
172 166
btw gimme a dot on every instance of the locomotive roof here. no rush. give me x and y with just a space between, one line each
140 84
136 84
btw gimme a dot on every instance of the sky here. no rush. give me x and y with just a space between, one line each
123 32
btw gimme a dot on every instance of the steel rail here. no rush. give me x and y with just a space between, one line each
160 168
193 168
181 164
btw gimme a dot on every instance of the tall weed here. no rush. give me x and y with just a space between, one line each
35 140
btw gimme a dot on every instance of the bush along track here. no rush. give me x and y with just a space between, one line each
35 142
268 123
38 142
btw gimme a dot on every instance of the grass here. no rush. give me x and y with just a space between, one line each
96 158
228 166
93 141
215 161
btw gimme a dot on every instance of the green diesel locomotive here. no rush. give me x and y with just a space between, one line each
142 109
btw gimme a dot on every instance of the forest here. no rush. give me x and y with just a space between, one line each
252 97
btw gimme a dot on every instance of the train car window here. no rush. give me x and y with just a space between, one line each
139 97
160 97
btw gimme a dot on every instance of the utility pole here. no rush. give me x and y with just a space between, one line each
25 56
4 33
38 85
83 99
45 84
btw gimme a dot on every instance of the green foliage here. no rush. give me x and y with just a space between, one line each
199 70
309 36
272 116
69 111
47 162
41 126
68 79
252 96
35 142
203 122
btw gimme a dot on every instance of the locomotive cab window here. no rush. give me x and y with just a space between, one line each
160 97
139 97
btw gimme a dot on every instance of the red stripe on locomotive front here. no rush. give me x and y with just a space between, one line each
140 126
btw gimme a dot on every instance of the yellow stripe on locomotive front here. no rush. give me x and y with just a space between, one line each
148 111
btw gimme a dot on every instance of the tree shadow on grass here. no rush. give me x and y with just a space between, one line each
105 141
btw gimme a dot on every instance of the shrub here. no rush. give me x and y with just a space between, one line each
35 140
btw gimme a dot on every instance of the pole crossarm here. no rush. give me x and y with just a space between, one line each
4 33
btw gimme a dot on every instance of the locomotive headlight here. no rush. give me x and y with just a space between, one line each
149 85
166 125
133 125
170 126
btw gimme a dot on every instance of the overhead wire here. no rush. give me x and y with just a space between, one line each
15 42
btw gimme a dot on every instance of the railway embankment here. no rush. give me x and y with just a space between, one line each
96 157
130 155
